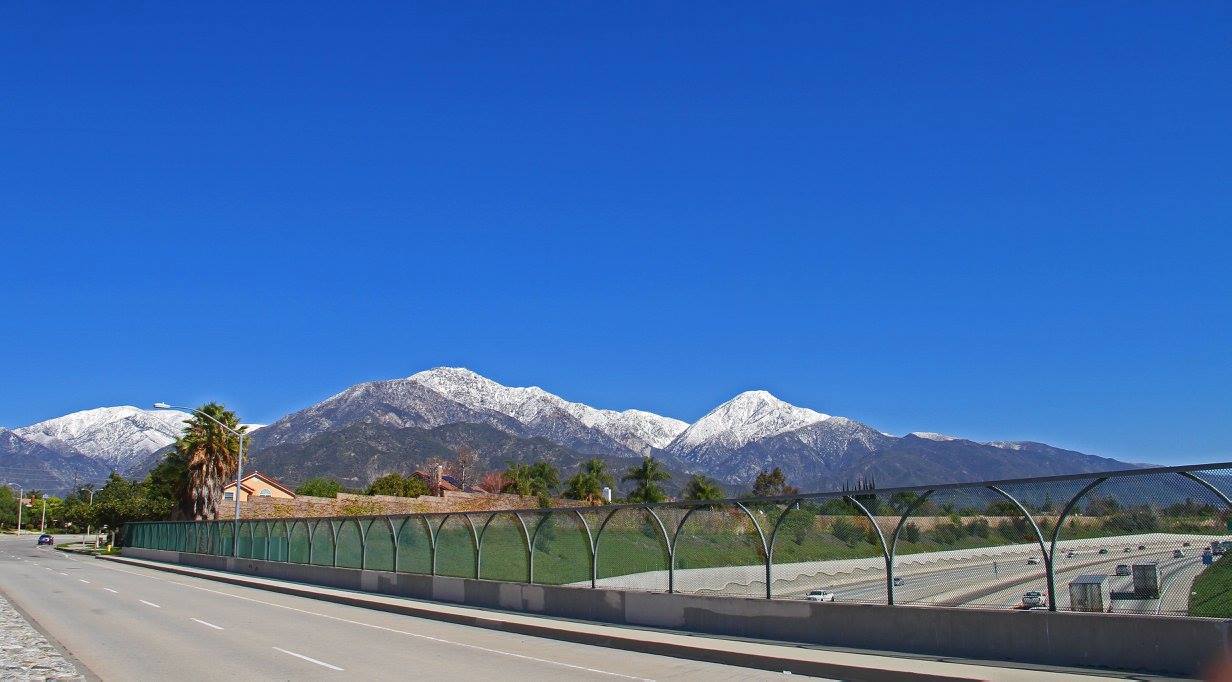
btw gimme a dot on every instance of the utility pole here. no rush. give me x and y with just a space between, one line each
43 521
21 495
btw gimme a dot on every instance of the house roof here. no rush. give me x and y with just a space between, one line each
245 483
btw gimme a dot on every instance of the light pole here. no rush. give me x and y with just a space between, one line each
21 494
239 468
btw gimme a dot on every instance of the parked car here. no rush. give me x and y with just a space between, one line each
46 539
820 595
1103 550
1122 569
1033 560
898 581
1032 598
1177 554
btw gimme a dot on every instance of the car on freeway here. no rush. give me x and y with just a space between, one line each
819 595
1103 550
46 539
1033 560
898 581
1127 549
1184 544
1140 547
1122 569
1069 554
1177 554
1032 599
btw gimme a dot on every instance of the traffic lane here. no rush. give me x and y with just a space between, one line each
377 643
1012 596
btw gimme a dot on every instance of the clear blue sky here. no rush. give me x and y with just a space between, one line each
998 222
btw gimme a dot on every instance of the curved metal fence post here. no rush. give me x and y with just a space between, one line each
898 528
671 551
1056 531
885 552
1209 486
363 543
432 538
334 531
590 540
765 548
476 540
534 538
671 545
530 557
774 534
1049 574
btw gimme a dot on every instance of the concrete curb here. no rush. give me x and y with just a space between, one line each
734 652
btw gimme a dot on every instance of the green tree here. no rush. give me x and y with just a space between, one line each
911 532
702 487
532 480
772 484
588 483
169 481
646 478
398 485
319 486
212 454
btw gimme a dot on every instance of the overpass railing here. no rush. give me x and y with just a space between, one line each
1003 544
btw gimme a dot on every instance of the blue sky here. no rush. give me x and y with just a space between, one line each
998 222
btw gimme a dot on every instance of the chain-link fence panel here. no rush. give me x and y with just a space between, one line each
300 545
321 547
631 551
260 540
562 549
720 550
455 546
1146 537
245 539
825 550
226 538
414 545
505 548
379 544
279 542
349 551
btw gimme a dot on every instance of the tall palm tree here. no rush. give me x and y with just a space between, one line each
588 483
211 453
646 477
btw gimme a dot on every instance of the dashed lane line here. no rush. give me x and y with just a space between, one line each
208 625
310 660
439 640
149 603
110 590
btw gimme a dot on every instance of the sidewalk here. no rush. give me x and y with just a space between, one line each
796 659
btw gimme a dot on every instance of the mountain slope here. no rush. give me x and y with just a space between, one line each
114 436
31 465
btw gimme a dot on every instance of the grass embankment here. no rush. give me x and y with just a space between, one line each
1212 590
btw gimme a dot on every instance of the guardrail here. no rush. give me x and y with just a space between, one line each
1009 543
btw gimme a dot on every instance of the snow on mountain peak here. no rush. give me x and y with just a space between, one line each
929 435
634 428
115 435
749 416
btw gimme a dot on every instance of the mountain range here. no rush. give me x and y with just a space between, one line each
398 425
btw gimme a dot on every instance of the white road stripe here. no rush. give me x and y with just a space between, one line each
149 603
84 581
208 625
382 627
310 660
62 573
110 590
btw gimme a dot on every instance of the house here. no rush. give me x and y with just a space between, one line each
438 483
260 485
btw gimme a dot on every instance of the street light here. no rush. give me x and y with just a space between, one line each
239 468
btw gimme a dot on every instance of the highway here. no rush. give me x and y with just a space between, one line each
126 622
1000 583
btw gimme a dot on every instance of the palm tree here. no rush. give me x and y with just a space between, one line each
211 454
702 487
646 477
588 483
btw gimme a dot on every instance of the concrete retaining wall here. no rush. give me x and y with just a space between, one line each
1161 645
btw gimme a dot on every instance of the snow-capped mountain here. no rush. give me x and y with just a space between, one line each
448 395
31 465
114 436
750 416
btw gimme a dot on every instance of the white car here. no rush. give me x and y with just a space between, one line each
820 595
1032 599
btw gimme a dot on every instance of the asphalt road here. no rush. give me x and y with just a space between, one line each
1001 583
126 622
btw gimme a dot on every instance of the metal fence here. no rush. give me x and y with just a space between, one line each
1008 544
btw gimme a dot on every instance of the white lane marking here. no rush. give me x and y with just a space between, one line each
310 660
84 581
439 640
208 625
110 590
61 572
149 603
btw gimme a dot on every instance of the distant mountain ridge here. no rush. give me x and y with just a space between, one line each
379 426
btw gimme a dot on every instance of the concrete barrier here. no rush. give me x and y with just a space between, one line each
1159 645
